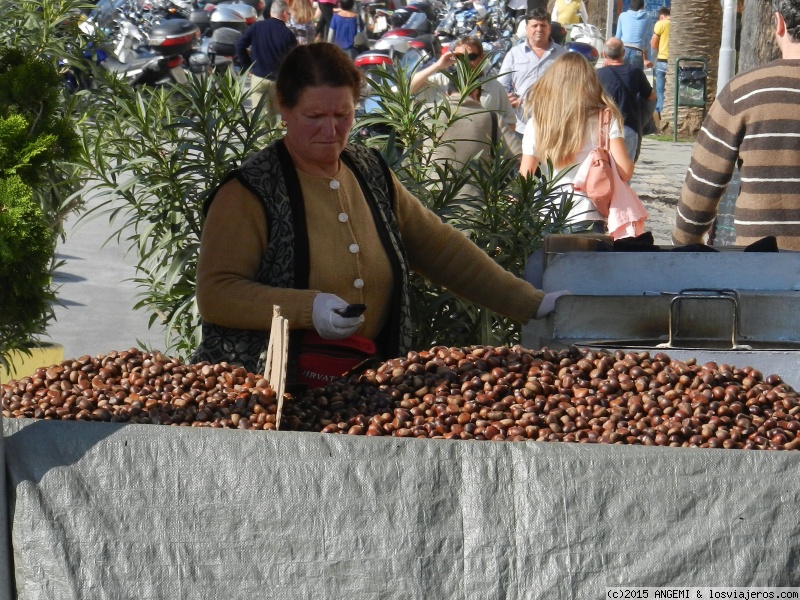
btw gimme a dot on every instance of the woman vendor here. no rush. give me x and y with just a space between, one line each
312 224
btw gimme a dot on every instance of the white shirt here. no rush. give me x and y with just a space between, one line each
493 96
582 207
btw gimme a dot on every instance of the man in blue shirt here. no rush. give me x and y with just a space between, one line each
634 28
262 47
525 62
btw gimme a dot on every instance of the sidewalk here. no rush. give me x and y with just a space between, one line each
657 180
96 290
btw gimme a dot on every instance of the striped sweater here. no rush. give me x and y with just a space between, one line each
755 121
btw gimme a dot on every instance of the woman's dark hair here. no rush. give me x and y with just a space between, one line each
315 65
346 4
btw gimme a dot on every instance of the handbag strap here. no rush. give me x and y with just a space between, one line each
603 119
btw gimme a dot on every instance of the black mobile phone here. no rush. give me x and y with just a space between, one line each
351 310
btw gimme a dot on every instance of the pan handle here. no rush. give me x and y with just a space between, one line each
712 295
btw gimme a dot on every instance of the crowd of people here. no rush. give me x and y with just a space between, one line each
315 224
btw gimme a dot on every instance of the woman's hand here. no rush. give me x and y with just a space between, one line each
329 324
548 304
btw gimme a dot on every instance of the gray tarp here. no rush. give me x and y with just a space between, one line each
142 511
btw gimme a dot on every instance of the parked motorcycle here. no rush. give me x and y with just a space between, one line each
221 25
411 28
153 58
588 51
587 34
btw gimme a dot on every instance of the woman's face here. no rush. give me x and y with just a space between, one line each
317 128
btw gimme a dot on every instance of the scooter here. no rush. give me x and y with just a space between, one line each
411 28
157 59
587 34
588 51
221 25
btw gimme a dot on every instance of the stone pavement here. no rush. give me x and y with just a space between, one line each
658 179
98 296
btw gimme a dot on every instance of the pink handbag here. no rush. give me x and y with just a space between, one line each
595 176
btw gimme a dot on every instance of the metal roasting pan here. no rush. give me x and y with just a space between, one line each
737 308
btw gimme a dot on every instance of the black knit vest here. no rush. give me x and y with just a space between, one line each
271 176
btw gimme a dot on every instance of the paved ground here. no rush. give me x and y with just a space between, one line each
657 180
98 295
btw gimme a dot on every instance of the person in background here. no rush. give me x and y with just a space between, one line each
325 9
516 9
472 133
432 82
526 62
570 12
634 28
312 224
261 47
754 122
564 107
660 43
302 20
345 24
628 87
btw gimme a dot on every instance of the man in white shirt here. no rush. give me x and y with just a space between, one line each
525 62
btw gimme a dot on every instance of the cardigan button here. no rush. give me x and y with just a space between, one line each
358 284
353 248
334 184
343 217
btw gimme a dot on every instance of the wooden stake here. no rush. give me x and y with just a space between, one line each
277 356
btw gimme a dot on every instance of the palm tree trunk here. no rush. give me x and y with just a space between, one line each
758 44
695 31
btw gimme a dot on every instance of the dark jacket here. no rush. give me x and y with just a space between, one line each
629 88
268 42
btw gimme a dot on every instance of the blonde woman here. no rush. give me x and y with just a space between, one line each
301 21
563 109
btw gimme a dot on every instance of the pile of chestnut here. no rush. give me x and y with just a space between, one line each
474 393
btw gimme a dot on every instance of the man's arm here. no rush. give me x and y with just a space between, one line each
507 71
645 89
648 32
242 47
654 41
716 151
421 77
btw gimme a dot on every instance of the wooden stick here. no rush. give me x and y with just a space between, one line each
277 356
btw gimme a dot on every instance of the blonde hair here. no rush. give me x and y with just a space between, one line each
301 10
567 96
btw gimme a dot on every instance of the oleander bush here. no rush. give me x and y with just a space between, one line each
153 157
504 214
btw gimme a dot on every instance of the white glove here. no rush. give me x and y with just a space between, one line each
330 325
548 304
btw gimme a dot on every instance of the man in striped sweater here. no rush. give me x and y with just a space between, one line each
755 120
